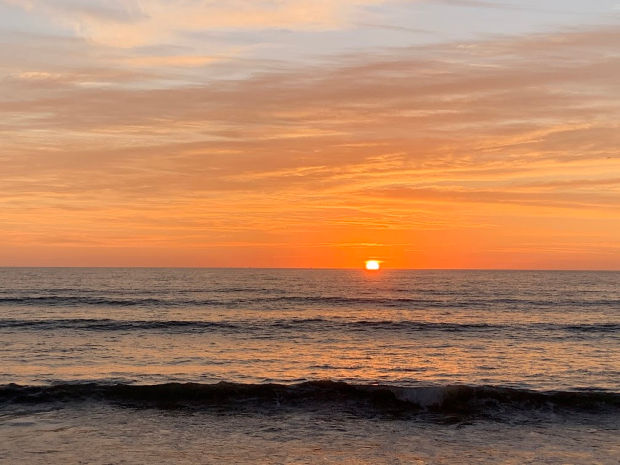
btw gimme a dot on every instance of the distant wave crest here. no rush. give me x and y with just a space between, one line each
296 324
257 298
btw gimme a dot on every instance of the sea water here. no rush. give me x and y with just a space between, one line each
308 366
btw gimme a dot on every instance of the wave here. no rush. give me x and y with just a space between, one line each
77 300
355 398
448 301
115 325
296 324
59 300
72 301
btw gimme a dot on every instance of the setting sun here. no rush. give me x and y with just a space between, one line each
372 265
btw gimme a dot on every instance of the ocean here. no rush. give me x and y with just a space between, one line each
292 366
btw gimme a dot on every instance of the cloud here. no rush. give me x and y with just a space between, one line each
491 142
111 10
130 23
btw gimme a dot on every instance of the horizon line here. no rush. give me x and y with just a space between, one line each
305 268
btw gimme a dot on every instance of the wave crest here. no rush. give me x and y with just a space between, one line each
87 298
103 324
361 399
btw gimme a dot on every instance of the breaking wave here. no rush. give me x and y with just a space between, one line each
355 398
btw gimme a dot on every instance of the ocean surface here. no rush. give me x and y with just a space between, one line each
262 366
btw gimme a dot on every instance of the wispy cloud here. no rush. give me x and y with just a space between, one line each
130 23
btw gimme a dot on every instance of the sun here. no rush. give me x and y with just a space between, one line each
372 265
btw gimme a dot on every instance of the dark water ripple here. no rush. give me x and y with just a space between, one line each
297 324
339 301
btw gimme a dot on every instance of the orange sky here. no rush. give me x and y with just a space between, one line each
208 142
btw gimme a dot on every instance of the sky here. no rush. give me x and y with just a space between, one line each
310 133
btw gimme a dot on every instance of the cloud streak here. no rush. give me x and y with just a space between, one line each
130 23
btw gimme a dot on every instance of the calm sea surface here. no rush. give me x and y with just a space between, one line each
308 366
